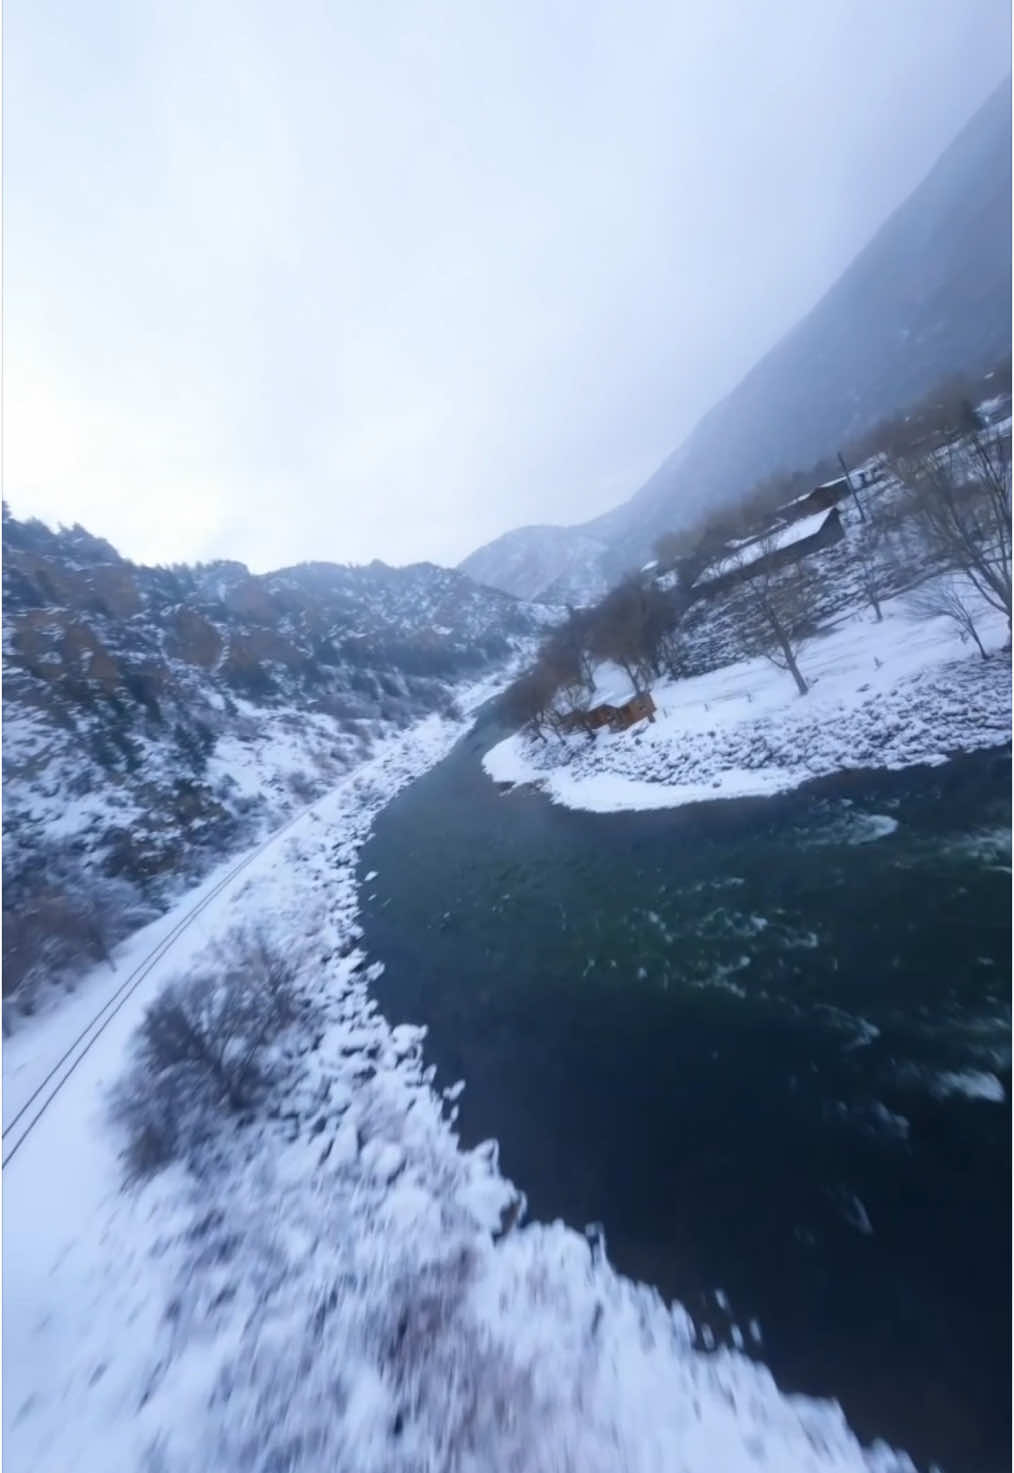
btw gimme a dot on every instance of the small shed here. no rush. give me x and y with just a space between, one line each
591 720
618 718
639 708
600 716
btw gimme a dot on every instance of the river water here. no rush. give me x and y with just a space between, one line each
765 1043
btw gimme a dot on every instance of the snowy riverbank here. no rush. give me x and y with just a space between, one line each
341 1285
892 694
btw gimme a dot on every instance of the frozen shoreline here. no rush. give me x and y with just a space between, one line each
889 695
341 1284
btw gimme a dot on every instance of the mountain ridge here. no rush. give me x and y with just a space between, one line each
157 718
928 295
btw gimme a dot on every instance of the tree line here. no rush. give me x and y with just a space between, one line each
942 537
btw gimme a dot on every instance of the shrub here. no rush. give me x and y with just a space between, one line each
302 786
201 1050
61 915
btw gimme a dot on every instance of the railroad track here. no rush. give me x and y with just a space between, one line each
19 1128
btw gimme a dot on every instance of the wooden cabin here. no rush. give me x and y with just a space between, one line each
617 718
600 716
639 708
590 721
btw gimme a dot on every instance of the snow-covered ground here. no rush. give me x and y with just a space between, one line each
342 1286
893 694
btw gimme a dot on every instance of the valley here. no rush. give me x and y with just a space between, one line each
548 1015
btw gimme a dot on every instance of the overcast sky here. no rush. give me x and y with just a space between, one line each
386 279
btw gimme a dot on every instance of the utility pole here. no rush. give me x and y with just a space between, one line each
848 482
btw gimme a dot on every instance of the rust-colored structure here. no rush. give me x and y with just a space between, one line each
588 721
639 708
617 718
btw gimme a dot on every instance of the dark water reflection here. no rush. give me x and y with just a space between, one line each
738 1036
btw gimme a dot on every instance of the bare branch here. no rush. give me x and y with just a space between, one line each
959 495
946 598
780 599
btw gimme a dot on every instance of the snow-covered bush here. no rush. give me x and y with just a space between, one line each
302 786
60 914
204 1047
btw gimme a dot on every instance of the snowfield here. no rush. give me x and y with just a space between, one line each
335 1283
892 694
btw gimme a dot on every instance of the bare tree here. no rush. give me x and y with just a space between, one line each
876 558
959 494
671 653
529 701
946 598
199 1049
251 959
567 651
619 632
634 626
780 599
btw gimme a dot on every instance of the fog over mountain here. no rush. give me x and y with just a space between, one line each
388 282
929 295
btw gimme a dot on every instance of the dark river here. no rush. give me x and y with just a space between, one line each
752 1039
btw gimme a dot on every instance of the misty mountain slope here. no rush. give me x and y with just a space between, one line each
531 561
928 296
154 718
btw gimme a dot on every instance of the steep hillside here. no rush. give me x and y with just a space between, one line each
532 560
930 295
156 717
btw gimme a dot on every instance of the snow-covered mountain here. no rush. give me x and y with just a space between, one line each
558 565
930 295
156 717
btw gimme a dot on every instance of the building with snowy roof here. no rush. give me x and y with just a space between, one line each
785 544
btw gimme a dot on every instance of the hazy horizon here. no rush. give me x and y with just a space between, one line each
378 284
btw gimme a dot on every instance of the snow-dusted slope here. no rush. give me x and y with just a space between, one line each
554 565
332 1282
929 296
156 718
